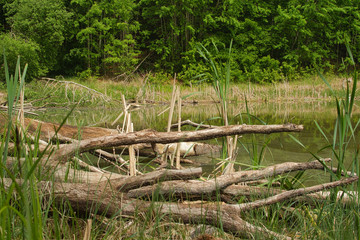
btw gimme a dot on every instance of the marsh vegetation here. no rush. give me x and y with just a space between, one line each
180 119
55 189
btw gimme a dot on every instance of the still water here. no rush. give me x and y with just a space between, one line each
275 148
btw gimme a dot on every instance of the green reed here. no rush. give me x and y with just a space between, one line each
334 219
20 202
219 75
344 135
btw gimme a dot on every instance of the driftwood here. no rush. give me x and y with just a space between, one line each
154 177
167 137
66 172
71 134
113 158
110 198
261 192
47 130
197 187
114 194
193 124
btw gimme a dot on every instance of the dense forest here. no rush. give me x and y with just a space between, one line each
271 40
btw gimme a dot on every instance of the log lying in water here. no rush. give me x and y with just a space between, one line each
168 137
68 134
47 130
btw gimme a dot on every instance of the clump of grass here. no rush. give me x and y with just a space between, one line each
219 74
344 135
332 219
20 203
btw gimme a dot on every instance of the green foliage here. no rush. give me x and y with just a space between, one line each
20 204
105 36
272 40
44 22
29 51
168 27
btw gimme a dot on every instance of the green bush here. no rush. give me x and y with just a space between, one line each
13 47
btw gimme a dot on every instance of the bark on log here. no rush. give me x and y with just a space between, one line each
105 200
63 172
291 194
168 137
47 131
196 187
102 200
156 176
74 175
263 192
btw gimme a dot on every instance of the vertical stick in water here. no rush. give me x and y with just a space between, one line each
179 130
129 127
132 157
172 106
171 113
125 114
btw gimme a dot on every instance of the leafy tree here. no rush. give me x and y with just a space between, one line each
272 40
105 35
169 27
43 22
13 47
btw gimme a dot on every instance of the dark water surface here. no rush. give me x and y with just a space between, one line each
279 148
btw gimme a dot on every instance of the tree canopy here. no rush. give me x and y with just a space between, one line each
272 39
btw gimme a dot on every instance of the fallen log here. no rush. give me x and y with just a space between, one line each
65 172
235 191
167 137
103 199
291 194
197 187
47 130
70 134
156 176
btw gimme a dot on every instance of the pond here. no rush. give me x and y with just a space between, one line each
277 148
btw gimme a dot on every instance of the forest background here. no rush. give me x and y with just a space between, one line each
272 40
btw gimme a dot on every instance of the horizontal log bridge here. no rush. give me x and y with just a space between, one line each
168 137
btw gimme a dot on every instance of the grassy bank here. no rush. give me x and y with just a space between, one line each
49 93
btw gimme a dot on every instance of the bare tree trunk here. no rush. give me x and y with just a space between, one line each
104 199
196 187
168 137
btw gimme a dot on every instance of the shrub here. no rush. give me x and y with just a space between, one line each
13 47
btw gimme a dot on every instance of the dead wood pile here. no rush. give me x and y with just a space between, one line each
117 194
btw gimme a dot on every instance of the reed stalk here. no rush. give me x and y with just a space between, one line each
20 205
177 165
219 74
